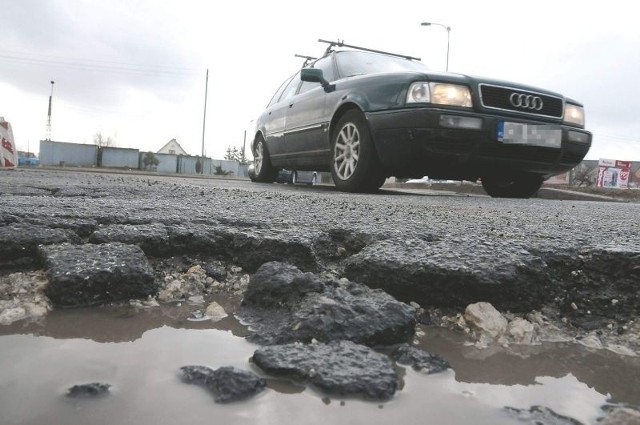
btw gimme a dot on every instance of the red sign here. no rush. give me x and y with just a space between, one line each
8 157
614 173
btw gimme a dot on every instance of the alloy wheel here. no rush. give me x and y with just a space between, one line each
347 151
258 155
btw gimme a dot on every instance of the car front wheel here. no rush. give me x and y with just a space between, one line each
516 186
263 170
354 164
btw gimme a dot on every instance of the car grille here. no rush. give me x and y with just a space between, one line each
496 97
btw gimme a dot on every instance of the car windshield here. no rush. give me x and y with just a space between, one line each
359 63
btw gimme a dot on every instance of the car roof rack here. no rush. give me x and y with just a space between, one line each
339 43
307 59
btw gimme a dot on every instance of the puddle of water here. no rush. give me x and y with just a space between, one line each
111 346
607 372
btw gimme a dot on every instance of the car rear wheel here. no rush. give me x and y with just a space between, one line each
515 186
354 164
263 170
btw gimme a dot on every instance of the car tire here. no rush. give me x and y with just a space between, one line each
263 170
354 162
375 182
516 186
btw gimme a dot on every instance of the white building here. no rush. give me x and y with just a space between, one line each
173 148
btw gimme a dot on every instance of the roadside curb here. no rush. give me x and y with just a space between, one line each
475 189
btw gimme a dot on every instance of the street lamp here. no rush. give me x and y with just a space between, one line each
204 121
426 24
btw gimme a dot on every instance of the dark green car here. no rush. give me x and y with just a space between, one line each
365 115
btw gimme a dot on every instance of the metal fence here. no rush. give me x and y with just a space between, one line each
83 155
118 158
64 154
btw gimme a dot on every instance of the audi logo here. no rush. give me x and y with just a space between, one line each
526 101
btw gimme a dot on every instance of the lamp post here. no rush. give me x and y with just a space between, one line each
204 121
426 24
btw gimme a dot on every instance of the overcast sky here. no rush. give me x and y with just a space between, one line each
134 70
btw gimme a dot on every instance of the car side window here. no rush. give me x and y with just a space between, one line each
278 93
326 65
291 88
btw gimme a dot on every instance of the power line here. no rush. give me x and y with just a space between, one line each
36 55
611 136
97 65
102 110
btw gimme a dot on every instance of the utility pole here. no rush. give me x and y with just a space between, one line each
48 132
244 145
204 120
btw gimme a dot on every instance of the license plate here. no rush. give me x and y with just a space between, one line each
549 136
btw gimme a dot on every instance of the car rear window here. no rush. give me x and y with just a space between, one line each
360 63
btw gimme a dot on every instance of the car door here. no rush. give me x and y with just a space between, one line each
307 121
274 120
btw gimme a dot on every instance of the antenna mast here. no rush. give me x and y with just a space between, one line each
48 131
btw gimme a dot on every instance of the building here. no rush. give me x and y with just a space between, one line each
173 148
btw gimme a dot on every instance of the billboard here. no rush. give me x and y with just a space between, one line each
8 153
634 180
613 173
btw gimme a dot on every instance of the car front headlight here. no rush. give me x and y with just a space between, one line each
450 94
574 114
440 94
419 93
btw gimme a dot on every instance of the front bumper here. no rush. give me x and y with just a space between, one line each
414 143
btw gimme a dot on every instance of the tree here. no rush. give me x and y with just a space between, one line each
149 160
103 142
584 175
235 154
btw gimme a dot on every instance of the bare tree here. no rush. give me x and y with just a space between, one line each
102 141
584 175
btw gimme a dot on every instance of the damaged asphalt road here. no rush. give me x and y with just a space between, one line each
439 251
576 261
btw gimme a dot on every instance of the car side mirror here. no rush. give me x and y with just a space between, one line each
314 75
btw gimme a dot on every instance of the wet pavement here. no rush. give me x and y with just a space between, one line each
568 268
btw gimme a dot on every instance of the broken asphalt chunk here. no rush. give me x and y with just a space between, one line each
93 274
227 383
340 368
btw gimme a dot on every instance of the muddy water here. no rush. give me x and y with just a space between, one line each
140 353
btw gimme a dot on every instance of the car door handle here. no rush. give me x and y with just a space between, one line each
291 105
